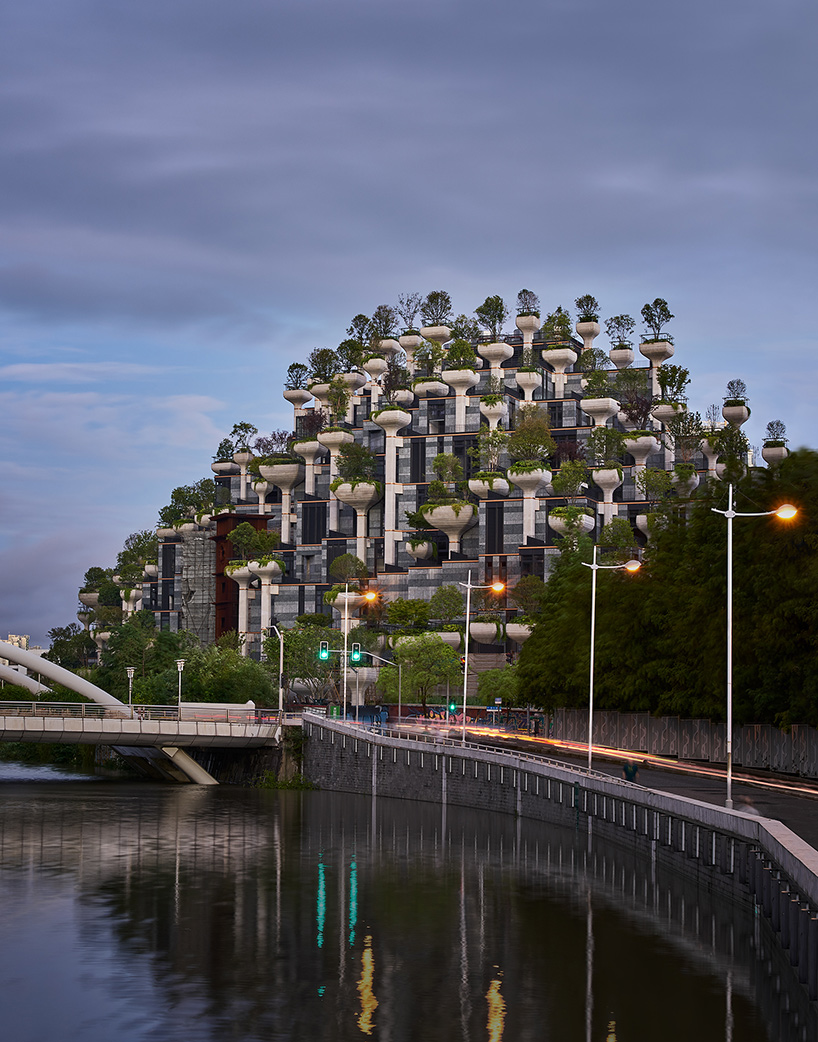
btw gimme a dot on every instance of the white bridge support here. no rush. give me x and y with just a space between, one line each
177 765
11 676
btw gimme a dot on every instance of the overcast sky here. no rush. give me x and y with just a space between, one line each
195 194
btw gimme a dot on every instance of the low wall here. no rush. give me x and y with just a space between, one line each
760 746
724 849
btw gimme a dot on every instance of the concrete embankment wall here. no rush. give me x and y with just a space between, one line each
724 850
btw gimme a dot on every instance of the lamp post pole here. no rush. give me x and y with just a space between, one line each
785 513
346 639
130 670
630 566
498 587
180 665
280 636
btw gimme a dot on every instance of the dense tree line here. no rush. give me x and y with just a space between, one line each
661 633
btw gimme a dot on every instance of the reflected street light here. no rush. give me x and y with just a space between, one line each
498 587
786 512
180 665
629 566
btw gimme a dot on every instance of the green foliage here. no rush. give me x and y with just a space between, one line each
396 377
492 313
687 431
489 448
569 482
605 447
673 380
620 330
138 550
338 396
528 303
635 396
323 363
447 467
654 484
736 391
775 433
297 376
95 577
500 683
426 663
656 316
224 453
429 357
465 328
461 355
301 656
407 308
408 613
529 595
587 308
436 309
189 500
241 435
661 633
249 543
383 322
350 354
557 326
347 567
71 647
446 603
356 463
617 541
531 438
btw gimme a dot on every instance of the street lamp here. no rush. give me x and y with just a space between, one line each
280 636
498 587
130 670
786 512
629 566
180 665
370 596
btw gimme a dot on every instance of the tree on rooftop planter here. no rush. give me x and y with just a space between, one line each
529 596
295 385
349 571
446 605
560 350
356 486
492 401
735 409
459 372
529 445
597 401
446 507
492 313
619 330
654 485
528 317
657 347
429 359
605 447
491 443
587 319
774 450
673 381
223 458
436 311
323 365
407 308
685 433
636 399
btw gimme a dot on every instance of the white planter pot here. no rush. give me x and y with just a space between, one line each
308 449
687 487
166 533
621 357
223 467
495 354
283 475
657 351
431 388
298 397
319 392
421 551
600 409
531 480
735 414
410 342
440 334
90 600
493 412
151 571
640 448
376 367
642 525
589 331
460 379
392 420
242 458
268 573
585 523
528 325
481 488
404 396
518 631
528 383
333 440
774 454
628 424
348 602
389 347
354 381
608 479
454 640
664 412
452 523
485 632
360 496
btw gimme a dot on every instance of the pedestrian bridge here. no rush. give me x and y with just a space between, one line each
91 724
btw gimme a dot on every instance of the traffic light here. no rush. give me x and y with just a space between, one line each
463 661
323 650
452 706
355 654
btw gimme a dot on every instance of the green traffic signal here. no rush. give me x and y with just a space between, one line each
355 654
323 650
452 706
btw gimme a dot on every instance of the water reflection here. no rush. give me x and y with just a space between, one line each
204 914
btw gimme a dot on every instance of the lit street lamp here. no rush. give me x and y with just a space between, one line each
370 596
498 587
629 566
786 513
130 670
180 665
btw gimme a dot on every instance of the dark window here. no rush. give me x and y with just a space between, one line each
417 460
460 449
302 600
377 441
494 528
313 522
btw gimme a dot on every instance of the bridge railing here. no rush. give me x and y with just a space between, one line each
89 710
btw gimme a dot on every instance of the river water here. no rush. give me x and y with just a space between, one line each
144 912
